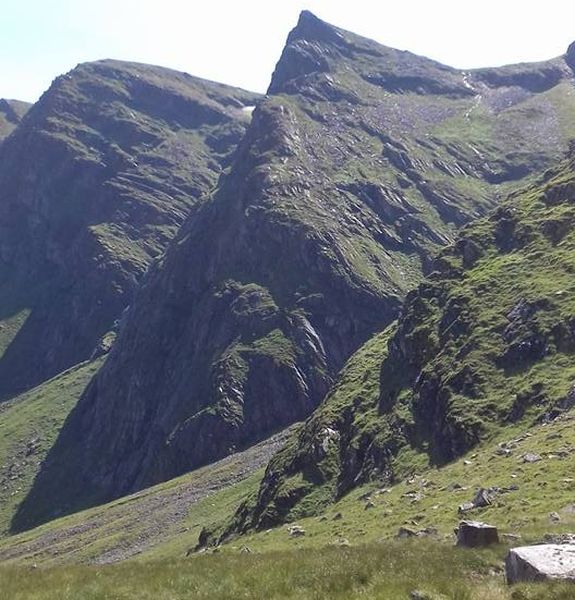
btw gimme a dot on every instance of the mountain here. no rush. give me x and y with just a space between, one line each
358 165
11 113
484 347
94 183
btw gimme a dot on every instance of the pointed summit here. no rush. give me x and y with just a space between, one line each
306 51
316 48
311 28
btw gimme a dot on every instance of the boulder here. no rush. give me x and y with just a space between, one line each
541 563
405 532
296 531
531 457
483 497
474 534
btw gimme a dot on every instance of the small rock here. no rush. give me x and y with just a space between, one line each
474 534
428 531
540 563
342 542
369 505
465 507
405 532
419 595
553 516
483 497
530 457
453 486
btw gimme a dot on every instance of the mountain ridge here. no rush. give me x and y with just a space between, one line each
94 183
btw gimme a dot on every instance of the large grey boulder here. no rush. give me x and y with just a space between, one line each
474 534
541 563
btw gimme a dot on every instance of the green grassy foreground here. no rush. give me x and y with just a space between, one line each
384 571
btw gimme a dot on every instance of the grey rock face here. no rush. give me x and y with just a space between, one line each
541 563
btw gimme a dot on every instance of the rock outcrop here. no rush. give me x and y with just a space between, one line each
359 164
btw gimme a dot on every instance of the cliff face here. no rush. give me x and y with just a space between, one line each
486 342
360 163
93 184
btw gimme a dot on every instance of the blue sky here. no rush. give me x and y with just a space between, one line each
239 42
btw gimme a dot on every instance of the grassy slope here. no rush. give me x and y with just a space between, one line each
162 521
29 425
387 572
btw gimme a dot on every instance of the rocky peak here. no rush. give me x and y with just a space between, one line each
316 48
311 28
308 50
